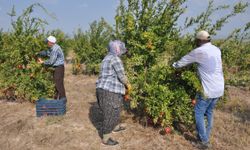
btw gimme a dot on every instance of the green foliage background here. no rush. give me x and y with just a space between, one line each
19 71
90 46
150 31
154 40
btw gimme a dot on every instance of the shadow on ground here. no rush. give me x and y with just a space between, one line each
95 116
243 115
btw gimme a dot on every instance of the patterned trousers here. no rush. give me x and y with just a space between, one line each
110 104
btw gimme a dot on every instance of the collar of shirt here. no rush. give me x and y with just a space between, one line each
207 44
53 47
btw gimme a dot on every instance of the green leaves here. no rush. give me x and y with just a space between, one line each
240 7
204 21
90 46
166 94
152 36
18 67
148 28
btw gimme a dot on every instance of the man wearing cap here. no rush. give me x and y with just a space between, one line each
56 60
208 58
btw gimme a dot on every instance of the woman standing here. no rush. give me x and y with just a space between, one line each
110 88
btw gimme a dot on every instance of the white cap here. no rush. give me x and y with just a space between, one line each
203 35
51 39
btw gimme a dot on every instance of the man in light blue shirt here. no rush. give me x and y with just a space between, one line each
208 58
56 60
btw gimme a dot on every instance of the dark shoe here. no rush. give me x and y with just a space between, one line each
110 142
203 145
119 129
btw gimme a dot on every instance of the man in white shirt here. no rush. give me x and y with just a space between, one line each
208 58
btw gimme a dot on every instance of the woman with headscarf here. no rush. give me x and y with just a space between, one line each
110 88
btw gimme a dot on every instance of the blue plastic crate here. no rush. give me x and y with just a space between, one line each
46 107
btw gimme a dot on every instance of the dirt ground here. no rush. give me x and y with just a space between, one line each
20 129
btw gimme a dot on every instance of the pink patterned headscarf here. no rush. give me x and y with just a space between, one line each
117 48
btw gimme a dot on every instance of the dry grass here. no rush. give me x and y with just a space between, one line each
230 132
78 129
232 121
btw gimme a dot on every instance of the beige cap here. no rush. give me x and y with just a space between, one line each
203 35
51 39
